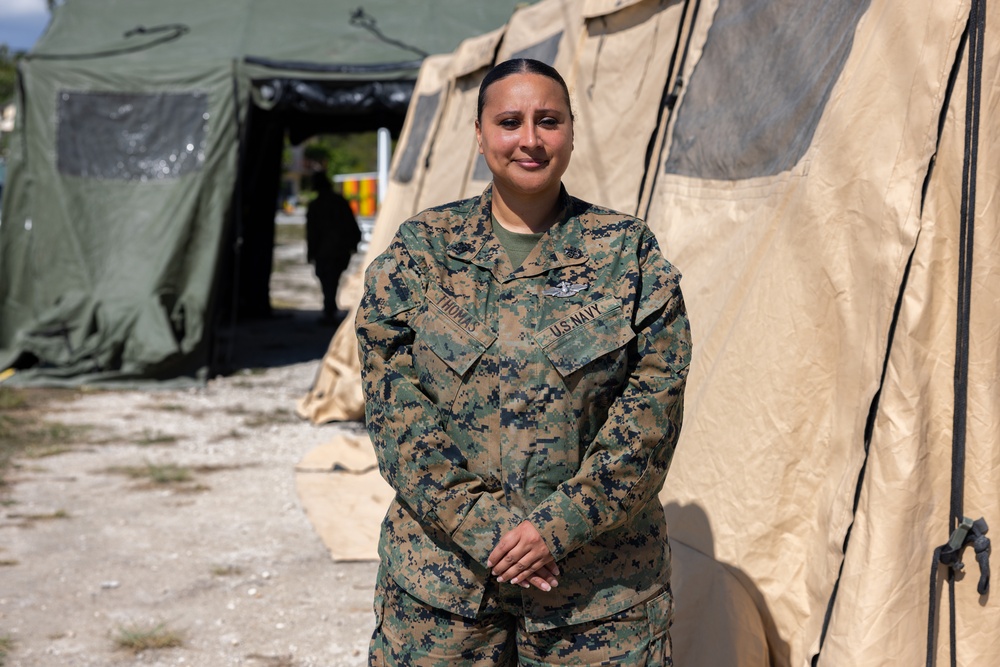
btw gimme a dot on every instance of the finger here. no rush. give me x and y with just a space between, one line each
551 568
510 565
527 568
514 572
542 583
547 572
500 550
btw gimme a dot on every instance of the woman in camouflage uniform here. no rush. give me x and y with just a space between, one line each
524 355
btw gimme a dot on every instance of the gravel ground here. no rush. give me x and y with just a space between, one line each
216 552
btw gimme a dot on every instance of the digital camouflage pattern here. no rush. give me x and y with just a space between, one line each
490 401
411 633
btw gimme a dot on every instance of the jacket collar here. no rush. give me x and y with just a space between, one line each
562 245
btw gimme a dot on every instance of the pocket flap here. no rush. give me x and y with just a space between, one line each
451 333
585 335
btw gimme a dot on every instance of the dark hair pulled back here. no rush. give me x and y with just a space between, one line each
519 66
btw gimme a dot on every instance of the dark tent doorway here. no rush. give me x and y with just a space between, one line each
294 111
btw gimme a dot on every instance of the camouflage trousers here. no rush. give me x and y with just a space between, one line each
410 632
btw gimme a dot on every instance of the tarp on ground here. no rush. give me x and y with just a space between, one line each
804 172
145 164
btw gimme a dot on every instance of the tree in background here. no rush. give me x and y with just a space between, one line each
8 74
345 153
8 84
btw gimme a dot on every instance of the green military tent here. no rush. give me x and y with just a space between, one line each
138 215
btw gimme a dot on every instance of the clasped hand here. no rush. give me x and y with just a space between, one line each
522 558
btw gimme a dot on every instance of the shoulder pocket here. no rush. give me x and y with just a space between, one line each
585 335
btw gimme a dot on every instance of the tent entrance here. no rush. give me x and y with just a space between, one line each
292 110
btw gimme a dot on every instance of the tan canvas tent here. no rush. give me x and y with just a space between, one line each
802 163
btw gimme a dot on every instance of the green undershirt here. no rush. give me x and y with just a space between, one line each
517 245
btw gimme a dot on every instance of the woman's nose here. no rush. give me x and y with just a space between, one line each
529 135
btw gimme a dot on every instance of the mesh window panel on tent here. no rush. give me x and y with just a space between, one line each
125 136
423 116
758 92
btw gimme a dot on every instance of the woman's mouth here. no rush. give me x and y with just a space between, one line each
530 163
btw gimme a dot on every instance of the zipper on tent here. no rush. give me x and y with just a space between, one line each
869 431
943 116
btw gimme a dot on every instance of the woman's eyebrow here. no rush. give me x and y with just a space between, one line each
518 112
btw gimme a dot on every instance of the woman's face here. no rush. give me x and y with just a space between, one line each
526 134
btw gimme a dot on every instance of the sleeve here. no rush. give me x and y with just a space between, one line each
624 467
415 455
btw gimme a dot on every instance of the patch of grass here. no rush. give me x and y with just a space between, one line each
227 571
272 660
155 438
170 407
24 432
24 425
233 434
50 516
274 417
165 474
219 467
145 638
6 646
12 399
45 452
170 474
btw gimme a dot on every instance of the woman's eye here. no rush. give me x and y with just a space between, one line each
548 122
509 123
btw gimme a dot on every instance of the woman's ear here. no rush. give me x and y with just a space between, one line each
479 136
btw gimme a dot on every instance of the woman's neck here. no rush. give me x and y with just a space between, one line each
525 215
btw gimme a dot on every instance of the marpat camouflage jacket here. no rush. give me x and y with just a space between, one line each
552 392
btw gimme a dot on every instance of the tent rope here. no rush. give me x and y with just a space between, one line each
362 19
964 531
667 101
174 30
671 92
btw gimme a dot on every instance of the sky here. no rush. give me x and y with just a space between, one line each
22 22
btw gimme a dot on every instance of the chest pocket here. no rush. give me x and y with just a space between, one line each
593 331
447 344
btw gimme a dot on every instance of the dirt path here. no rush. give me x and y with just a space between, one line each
173 515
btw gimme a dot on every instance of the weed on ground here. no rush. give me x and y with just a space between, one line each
272 660
6 646
137 639
25 430
180 478
227 571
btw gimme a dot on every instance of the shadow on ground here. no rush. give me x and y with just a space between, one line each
287 337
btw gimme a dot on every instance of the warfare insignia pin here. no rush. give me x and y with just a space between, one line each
565 289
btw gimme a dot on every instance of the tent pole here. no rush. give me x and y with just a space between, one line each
384 157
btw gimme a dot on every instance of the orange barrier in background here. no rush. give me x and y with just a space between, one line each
361 190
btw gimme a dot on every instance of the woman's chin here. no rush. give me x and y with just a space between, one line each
529 187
